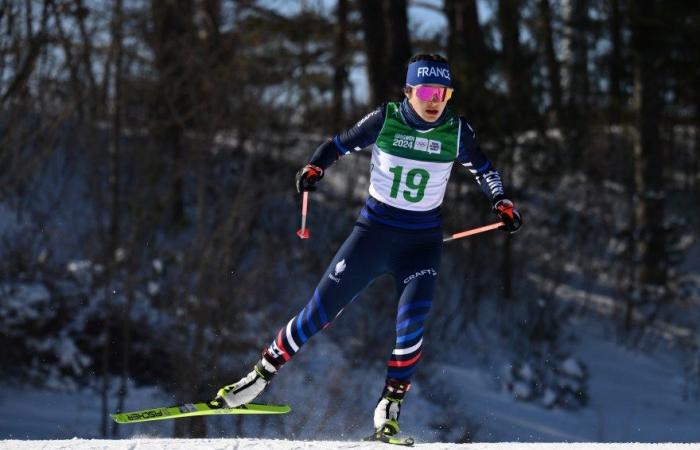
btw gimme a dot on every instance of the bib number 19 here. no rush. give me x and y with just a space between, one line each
415 182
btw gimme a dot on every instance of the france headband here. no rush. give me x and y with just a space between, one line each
428 72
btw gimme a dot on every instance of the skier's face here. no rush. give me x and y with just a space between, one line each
429 100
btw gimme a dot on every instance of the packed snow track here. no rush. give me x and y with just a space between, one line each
269 444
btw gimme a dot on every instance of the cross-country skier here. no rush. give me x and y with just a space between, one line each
414 144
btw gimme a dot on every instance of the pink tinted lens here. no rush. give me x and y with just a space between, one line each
430 93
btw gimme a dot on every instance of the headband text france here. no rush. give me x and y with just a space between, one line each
428 72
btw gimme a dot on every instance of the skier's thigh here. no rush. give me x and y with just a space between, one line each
354 266
416 277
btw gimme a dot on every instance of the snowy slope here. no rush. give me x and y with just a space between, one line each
634 397
265 444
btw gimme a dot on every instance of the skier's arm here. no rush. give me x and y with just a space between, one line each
471 157
488 178
362 134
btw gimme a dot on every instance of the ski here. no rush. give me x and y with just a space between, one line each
387 439
196 409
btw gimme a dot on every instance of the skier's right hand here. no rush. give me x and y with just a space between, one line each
509 215
307 178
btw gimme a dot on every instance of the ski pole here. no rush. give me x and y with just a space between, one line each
473 231
303 232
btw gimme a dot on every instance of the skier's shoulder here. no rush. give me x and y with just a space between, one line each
363 133
468 147
373 118
467 130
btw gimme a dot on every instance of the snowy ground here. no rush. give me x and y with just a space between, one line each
634 397
265 444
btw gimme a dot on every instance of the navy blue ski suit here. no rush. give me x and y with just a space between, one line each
405 244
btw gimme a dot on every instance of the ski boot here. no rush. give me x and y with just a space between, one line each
387 412
248 387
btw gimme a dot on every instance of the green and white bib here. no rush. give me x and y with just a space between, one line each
410 168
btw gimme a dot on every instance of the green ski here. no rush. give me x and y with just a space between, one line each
196 409
388 439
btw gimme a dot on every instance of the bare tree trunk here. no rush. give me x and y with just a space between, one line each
115 176
81 12
576 27
648 151
71 63
126 346
516 73
399 46
115 144
506 268
519 106
177 193
174 60
553 66
474 42
467 54
616 63
575 80
26 67
340 60
106 348
374 30
696 150
190 377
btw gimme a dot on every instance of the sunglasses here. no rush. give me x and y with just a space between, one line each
432 93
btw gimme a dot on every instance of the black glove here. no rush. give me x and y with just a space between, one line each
505 210
307 177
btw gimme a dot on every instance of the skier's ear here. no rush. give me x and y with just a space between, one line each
407 91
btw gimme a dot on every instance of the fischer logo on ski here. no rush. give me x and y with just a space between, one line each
145 415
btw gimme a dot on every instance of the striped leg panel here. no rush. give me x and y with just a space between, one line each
297 332
409 340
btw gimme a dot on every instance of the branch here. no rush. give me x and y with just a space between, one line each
27 68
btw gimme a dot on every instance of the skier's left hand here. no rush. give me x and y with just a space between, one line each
505 210
307 178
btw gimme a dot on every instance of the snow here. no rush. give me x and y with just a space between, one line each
21 302
53 414
634 397
271 444
572 367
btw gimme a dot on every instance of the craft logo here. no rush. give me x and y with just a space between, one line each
339 268
420 273
364 119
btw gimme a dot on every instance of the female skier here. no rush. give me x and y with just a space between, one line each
414 144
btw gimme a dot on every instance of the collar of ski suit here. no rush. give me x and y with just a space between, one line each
413 120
